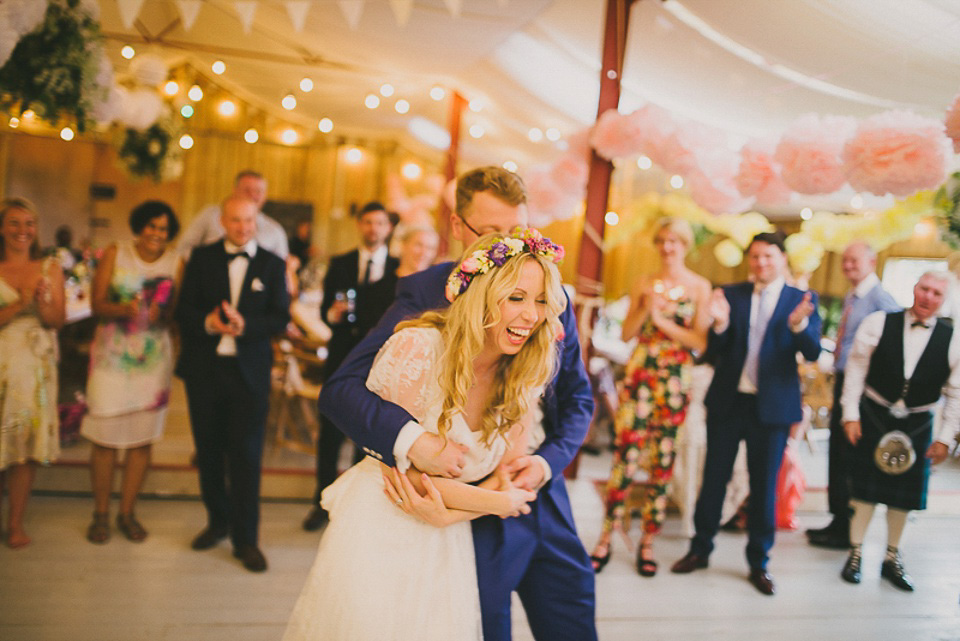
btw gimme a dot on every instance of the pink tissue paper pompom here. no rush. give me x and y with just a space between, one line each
953 124
897 152
809 153
546 199
570 174
717 196
686 147
759 175
611 136
578 144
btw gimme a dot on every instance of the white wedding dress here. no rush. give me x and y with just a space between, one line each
381 574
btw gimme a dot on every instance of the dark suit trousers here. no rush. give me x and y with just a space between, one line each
227 418
328 455
838 476
765 445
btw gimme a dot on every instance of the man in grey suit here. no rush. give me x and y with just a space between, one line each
866 296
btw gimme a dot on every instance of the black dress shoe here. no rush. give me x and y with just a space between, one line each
208 538
689 563
251 557
851 569
760 579
835 536
317 518
892 570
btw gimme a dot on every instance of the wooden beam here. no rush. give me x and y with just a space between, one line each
457 105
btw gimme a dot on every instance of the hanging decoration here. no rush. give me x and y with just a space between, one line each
129 10
952 123
297 12
246 9
401 11
54 69
947 203
154 152
189 9
351 10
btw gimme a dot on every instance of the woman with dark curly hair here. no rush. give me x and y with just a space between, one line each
131 362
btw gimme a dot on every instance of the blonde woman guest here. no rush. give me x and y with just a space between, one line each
131 362
418 249
470 373
31 310
668 315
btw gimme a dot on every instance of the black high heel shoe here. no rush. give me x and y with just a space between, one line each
600 561
646 567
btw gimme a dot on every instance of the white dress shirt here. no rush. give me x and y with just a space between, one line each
237 270
914 342
377 267
770 300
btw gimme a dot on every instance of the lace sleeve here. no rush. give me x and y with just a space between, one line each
403 372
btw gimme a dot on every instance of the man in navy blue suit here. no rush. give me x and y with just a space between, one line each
538 555
758 329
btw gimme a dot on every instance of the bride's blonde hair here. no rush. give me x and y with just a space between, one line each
463 326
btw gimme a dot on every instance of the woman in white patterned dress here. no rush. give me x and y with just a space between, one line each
131 362
31 310
472 373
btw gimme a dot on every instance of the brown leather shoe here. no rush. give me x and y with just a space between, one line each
761 580
251 557
689 563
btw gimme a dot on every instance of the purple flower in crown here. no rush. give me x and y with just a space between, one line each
498 253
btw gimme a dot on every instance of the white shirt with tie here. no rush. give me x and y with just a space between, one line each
377 267
914 342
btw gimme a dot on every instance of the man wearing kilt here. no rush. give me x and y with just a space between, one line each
900 365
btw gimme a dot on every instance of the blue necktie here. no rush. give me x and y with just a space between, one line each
755 338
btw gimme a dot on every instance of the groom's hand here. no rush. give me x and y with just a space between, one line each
437 456
526 472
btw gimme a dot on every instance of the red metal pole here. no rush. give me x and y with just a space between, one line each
457 104
590 260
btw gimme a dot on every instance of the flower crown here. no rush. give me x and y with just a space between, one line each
496 252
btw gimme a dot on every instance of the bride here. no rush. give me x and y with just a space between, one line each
471 373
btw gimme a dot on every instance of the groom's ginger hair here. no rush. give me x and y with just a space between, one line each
502 184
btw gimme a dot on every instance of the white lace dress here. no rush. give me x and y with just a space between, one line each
380 574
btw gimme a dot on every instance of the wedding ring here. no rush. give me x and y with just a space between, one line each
399 502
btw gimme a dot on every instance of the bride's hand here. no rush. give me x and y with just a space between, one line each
398 488
516 499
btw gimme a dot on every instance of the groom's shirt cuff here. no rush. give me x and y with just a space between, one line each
405 439
547 472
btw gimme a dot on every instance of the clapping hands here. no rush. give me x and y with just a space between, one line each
234 324
802 311
719 310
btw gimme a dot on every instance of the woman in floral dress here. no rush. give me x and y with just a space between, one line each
31 310
668 316
131 362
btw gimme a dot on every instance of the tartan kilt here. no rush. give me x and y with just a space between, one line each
908 491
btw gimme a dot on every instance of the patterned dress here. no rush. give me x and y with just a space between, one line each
653 405
131 361
28 385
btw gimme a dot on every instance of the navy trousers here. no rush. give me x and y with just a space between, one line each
765 445
540 556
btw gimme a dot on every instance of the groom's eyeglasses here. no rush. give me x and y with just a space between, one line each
469 226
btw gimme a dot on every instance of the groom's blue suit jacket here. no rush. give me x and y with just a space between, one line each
374 423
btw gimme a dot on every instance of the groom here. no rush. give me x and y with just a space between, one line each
538 555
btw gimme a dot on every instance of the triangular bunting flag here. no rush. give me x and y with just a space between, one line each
188 12
401 11
129 10
245 9
352 10
453 6
297 10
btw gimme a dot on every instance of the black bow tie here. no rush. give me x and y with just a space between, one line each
230 256
918 324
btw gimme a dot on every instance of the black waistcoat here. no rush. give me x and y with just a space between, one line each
885 374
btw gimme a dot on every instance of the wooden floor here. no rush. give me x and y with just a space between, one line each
62 588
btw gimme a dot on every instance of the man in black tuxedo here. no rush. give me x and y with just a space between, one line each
233 300
357 290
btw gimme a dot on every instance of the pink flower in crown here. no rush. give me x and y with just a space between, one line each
470 265
559 253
